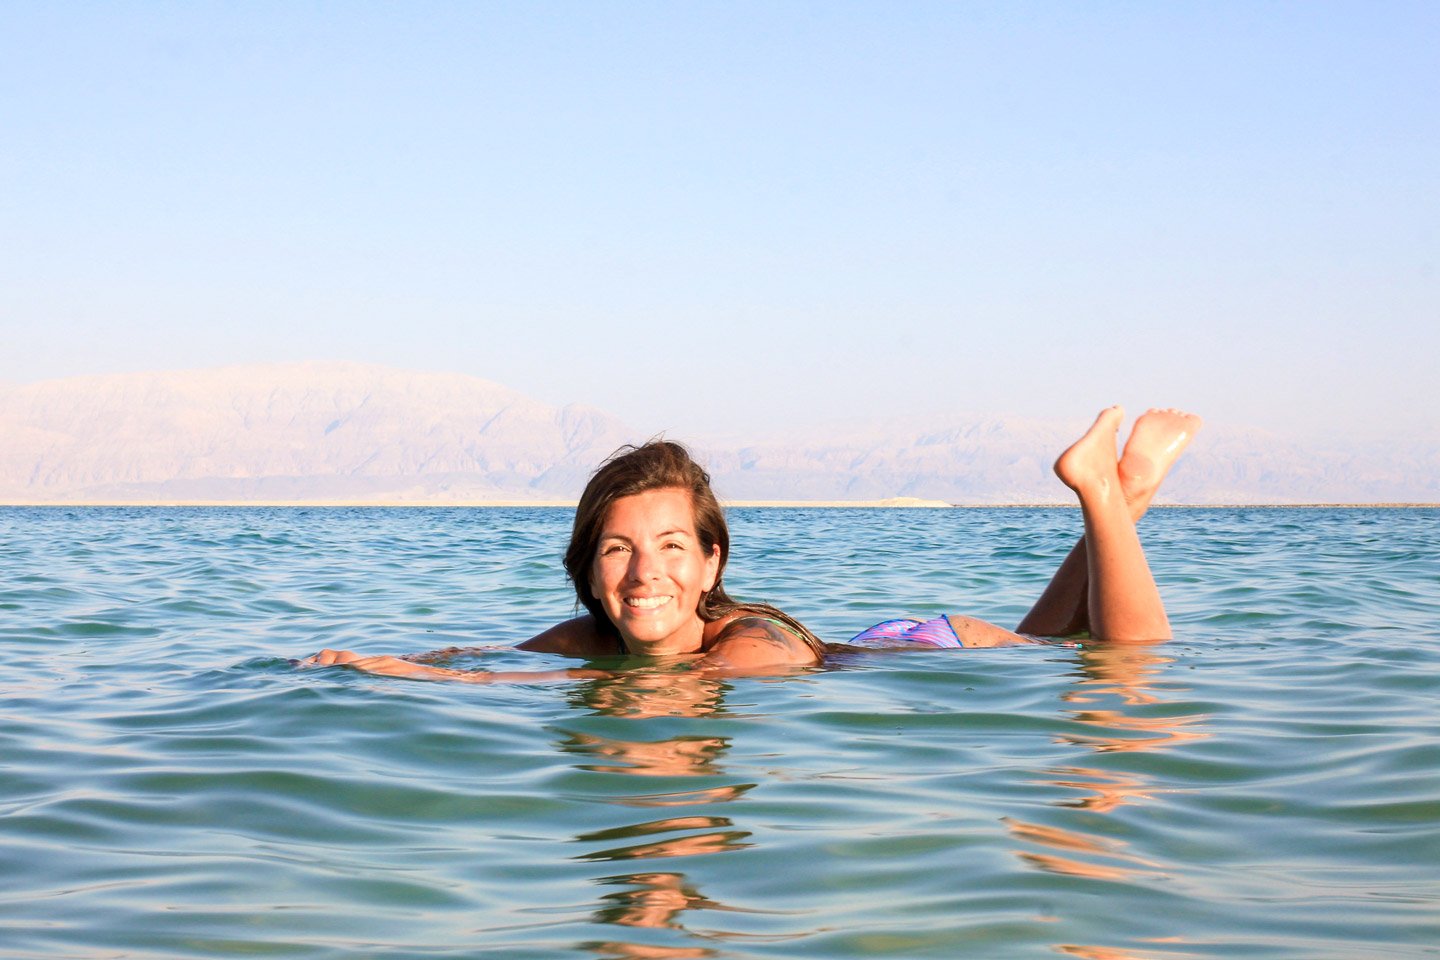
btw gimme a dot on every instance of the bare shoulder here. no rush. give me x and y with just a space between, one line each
578 637
751 642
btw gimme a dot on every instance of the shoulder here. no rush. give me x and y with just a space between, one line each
579 637
749 641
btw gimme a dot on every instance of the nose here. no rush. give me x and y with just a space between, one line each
644 565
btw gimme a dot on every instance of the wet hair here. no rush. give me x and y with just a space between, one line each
659 465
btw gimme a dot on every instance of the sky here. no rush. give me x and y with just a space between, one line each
734 217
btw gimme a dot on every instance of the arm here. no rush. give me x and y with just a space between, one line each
577 637
745 646
395 667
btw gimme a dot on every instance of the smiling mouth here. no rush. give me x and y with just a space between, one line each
646 603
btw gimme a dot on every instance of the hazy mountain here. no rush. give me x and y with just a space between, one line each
1008 460
293 431
342 431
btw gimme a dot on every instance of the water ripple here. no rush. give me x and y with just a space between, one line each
1265 785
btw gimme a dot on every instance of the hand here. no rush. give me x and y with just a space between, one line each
382 665
327 658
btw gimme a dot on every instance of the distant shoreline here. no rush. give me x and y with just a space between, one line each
893 503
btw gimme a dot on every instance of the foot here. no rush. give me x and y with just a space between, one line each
1156 442
1088 466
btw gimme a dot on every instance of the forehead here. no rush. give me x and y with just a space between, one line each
645 514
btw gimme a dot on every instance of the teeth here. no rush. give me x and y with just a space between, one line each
646 603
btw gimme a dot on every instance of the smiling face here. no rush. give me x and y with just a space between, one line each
650 571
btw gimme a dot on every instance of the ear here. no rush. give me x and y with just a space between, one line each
712 568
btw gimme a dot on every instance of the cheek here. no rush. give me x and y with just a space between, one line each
695 571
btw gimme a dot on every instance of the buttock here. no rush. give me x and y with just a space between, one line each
904 631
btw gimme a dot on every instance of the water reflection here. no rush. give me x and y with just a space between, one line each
714 841
1119 699
1102 790
682 798
660 693
652 900
660 901
1115 684
1119 696
1118 865
1113 953
678 756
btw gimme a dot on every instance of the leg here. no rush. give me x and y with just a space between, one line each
1156 441
1123 599
1061 610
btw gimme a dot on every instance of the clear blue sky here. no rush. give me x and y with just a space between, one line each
739 215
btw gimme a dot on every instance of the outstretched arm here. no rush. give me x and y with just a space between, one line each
387 666
577 637
745 646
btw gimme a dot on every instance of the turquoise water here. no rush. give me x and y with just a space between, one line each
1266 785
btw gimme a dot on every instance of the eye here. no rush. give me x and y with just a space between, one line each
611 549
674 545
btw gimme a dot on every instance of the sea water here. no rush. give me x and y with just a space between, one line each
1267 784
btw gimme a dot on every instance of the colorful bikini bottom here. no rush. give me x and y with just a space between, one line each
938 632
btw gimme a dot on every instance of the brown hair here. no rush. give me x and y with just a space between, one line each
658 465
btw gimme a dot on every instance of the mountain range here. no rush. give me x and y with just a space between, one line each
325 432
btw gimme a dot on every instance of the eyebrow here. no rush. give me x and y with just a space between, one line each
658 536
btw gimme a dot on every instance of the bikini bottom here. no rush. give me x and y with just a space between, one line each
894 633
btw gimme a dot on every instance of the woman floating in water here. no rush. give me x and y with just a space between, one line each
649 546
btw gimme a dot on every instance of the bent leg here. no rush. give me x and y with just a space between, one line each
1061 610
1156 442
1124 603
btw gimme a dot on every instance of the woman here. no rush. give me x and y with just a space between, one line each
649 546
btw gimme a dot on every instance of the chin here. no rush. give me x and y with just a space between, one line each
646 638
659 637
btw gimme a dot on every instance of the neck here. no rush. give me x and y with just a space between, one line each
678 644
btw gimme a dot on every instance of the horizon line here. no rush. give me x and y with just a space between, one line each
893 503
